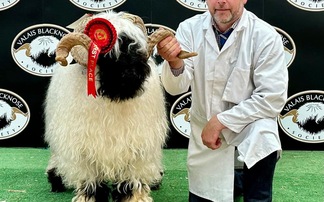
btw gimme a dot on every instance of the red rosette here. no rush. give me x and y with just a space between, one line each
102 33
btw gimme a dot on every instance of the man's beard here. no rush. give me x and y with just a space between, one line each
222 20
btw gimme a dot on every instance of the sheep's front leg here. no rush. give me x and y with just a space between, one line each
53 177
55 180
98 192
139 196
125 193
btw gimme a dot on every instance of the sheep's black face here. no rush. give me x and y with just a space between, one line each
123 78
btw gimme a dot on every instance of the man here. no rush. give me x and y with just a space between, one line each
238 89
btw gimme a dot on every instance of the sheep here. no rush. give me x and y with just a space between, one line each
105 116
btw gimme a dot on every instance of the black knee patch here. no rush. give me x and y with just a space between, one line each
124 192
101 193
55 181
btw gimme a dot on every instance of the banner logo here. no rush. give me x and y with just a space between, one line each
14 114
33 49
196 5
97 5
180 114
302 117
5 4
289 45
308 5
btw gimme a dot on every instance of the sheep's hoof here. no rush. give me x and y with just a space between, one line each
126 193
83 198
138 199
98 192
140 196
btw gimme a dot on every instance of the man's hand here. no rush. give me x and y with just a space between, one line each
168 49
211 132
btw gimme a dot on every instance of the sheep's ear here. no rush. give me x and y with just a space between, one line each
86 17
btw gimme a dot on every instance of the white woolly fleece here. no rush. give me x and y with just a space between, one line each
95 139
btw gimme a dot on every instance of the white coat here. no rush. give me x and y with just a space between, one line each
245 85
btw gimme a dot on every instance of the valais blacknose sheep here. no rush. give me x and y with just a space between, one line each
105 117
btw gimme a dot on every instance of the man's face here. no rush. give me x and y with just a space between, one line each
226 12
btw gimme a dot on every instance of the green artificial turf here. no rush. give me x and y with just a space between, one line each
299 177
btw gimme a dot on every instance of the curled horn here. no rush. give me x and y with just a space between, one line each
68 42
158 36
136 20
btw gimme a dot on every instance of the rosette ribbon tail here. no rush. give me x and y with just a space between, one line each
93 55
99 37
103 35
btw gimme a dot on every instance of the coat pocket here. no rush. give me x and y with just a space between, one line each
239 86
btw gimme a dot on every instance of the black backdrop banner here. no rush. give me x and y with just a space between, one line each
26 66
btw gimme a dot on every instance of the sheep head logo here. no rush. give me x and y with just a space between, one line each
304 117
180 114
197 5
33 49
97 5
7 4
308 5
14 114
8 114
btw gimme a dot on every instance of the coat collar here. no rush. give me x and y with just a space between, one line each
210 35
242 24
